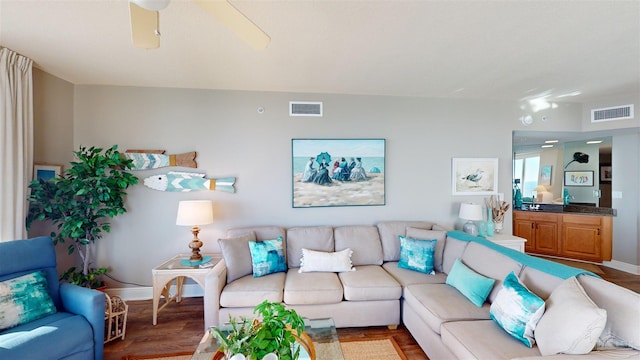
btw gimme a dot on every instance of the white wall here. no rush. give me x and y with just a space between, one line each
53 136
233 139
625 159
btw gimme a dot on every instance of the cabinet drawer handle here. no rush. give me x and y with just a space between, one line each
598 233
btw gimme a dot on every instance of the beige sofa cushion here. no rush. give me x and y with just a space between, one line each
312 288
617 354
482 339
539 282
319 238
438 235
440 303
490 263
237 255
408 277
370 282
389 232
363 240
249 291
262 232
453 249
623 327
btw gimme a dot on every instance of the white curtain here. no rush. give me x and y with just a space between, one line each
16 142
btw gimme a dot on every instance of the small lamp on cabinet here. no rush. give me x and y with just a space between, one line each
540 190
195 213
470 212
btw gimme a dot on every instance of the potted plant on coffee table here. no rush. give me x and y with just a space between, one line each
274 334
79 204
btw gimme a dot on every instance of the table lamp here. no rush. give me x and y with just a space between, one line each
539 190
470 212
194 213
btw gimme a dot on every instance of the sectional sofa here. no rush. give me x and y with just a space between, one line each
376 276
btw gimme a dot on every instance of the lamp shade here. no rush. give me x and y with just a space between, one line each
540 188
469 211
195 212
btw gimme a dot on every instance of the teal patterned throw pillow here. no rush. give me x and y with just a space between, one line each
24 299
517 310
267 257
417 255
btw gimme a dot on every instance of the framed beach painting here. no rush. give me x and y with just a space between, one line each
337 172
46 172
474 176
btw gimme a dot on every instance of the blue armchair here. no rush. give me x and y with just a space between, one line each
75 331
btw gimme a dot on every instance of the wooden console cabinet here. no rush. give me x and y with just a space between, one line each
573 236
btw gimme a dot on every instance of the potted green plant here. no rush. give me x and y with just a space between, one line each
274 333
79 204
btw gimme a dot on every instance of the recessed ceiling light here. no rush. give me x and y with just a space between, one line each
550 141
547 146
594 142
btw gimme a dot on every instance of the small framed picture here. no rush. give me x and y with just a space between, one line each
545 175
578 178
605 173
474 176
46 172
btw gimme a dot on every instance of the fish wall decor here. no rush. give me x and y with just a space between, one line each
145 160
184 181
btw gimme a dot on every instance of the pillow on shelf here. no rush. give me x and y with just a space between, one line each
439 235
517 310
237 255
572 322
471 284
24 299
417 254
321 261
267 257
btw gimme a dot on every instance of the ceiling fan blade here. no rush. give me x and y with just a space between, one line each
144 24
233 19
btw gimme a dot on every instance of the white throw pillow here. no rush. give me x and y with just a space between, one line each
571 323
321 261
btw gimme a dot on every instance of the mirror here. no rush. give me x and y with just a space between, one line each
555 165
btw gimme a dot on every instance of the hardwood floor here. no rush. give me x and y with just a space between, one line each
180 329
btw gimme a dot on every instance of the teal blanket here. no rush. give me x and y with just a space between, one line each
553 268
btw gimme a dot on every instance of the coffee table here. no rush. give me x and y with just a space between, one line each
321 331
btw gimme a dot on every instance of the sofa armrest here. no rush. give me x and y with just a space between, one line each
213 285
90 304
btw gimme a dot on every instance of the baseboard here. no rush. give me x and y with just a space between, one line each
622 266
146 293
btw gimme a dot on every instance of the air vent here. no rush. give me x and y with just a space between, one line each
623 112
305 108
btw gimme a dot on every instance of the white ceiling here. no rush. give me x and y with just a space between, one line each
458 49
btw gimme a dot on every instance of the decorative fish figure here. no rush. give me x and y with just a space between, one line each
184 181
145 161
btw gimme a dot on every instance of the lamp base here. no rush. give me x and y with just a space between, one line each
470 228
195 245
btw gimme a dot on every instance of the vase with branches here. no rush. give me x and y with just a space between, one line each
79 203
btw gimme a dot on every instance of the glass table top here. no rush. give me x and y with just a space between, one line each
181 261
321 331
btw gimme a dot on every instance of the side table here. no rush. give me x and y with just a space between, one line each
175 268
509 241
